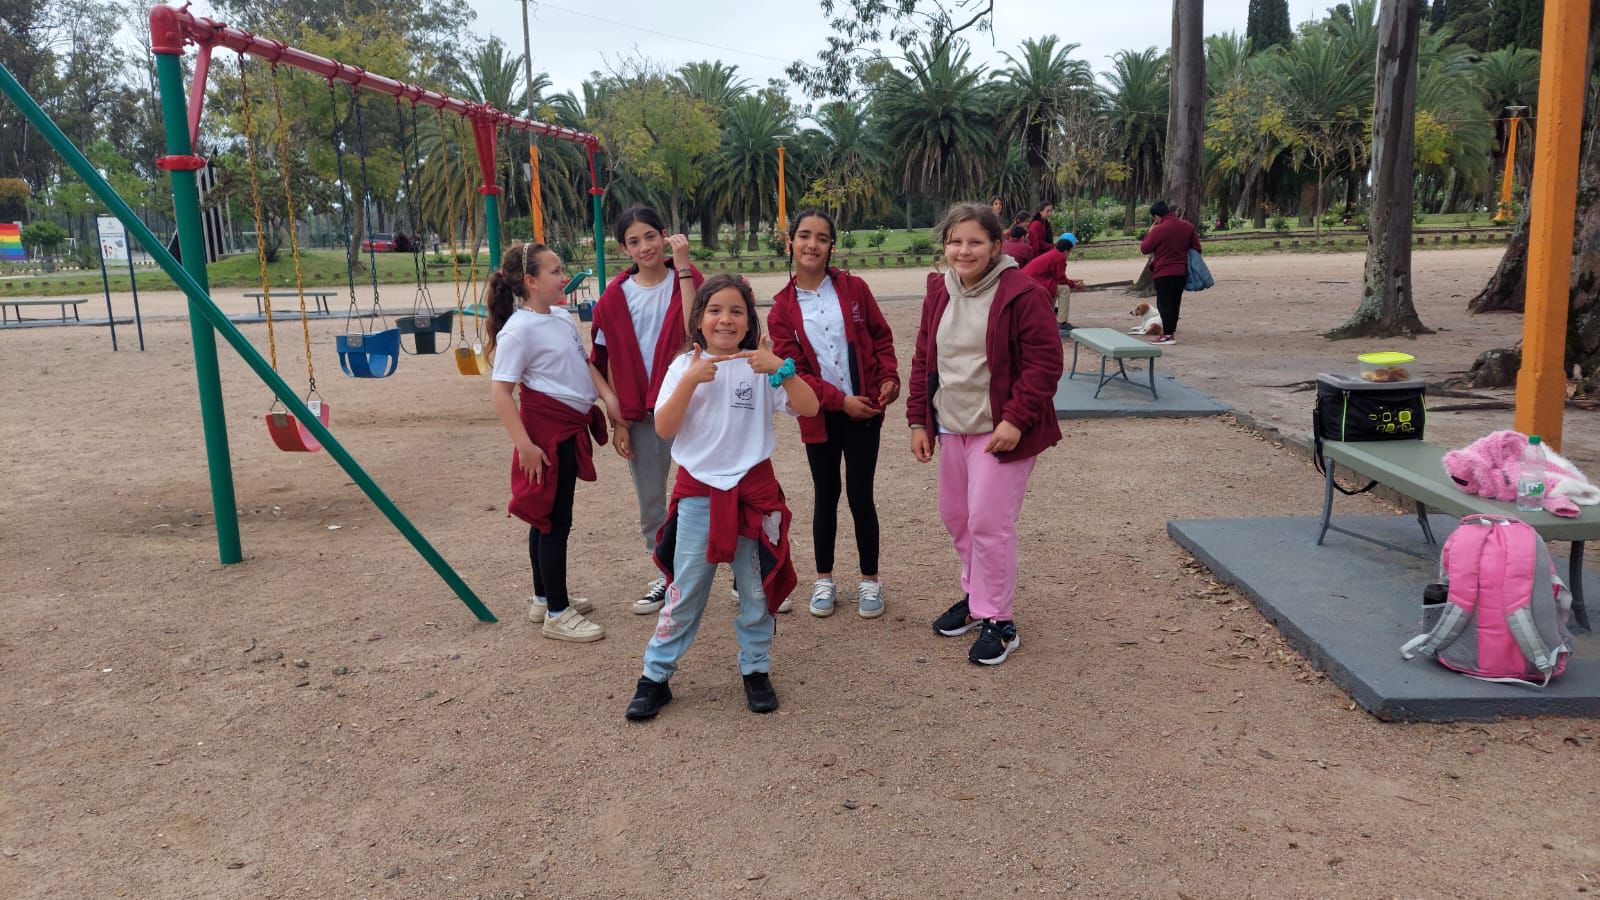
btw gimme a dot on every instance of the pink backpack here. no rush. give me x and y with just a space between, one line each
1506 613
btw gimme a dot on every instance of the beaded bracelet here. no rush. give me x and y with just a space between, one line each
786 370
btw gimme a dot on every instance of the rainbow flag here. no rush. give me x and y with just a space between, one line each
11 242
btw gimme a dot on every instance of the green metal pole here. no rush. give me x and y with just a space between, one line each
200 301
491 227
191 241
595 193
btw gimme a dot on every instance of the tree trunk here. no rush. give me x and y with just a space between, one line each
1258 216
1308 202
754 235
708 229
1186 119
1506 290
1388 308
676 220
358 227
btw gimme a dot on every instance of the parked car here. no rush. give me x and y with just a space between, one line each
382 242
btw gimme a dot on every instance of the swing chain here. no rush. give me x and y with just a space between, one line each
344 206
294 229
422 304
255 197
366 205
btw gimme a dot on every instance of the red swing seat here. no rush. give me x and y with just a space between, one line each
291 434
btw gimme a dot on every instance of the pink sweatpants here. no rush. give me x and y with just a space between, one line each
980 499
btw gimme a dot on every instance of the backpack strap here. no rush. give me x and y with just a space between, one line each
1463 604
1521 560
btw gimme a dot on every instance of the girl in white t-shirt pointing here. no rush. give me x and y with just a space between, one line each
716 406
534 343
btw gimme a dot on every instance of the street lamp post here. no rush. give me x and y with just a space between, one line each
782 217
535 208
1503 213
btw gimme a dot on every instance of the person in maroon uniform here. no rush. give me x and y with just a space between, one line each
1039 228
1049 269
1168 243
1017 246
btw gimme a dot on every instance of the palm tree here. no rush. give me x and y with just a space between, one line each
1038 89
1509 77
846 149
939 119
746 170
1327 87
1136 105
717 86
1450 103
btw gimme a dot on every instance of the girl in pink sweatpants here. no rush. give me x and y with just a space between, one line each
983 378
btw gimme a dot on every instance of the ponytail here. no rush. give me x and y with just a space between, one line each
507 288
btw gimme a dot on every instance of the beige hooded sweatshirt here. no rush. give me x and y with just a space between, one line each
962 400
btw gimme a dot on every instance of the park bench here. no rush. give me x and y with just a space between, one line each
1415 469
319 297
1113 344
17 303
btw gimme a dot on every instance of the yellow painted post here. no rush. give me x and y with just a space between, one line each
783 211
1503 213
535 207
1542 380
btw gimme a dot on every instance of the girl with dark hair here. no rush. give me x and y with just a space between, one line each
983 379
716 406
533 342
1039 228
638 328
828 321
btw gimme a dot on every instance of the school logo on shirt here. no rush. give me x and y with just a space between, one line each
744 396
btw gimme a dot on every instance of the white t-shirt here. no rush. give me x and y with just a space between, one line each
544 352
727 429
647 307
824 325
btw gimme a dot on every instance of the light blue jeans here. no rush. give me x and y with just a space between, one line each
679 619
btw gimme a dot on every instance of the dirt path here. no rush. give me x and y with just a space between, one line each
1152 737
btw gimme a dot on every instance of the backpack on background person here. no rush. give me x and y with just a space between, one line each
1500 611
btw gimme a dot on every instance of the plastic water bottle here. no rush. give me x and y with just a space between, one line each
1530 483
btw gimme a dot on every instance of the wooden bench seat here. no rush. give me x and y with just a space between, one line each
17 303
1415 469
320 298
1113 344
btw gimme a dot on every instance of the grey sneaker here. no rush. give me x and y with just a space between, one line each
869 599
654 598
822 597
539 607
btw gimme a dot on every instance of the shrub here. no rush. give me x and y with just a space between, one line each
876 239
464 259
920 244
519 228
1091 222
438 259
848 240
701 254
14 195
735 247
777 242
1279 223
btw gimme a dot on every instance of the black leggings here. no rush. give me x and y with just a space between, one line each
856 442
547 551
1169 296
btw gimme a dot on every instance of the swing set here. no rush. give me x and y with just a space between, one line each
298 426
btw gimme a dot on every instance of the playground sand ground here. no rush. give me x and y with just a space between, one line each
326 720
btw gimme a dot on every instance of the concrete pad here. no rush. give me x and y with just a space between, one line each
1349 605
1075 396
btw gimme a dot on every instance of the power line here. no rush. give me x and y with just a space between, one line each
659 33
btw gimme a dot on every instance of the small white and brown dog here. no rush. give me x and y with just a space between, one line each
1149 320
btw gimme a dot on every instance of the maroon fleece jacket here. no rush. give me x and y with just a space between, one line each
1023 347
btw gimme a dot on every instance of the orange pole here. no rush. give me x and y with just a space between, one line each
783 213
1542 380
535 204
1503 214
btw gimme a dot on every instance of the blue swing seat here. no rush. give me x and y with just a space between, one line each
371 355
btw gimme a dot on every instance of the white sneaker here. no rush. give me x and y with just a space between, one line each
538 608
573 627
654 598
787 604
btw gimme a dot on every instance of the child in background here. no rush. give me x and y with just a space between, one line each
1039 228
1017 246
716 406
1049 269
638 329
828 322
534 342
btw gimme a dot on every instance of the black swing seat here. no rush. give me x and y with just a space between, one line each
424 330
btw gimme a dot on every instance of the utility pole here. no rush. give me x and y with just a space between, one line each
535 208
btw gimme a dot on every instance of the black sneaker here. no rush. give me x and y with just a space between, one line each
995 642
758 693
955 621
648 699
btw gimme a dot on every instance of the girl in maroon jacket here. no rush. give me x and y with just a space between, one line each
828 322
638 330
1039 228
983 380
